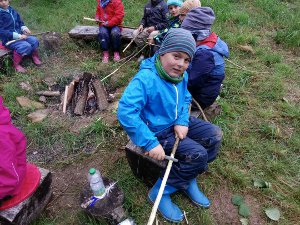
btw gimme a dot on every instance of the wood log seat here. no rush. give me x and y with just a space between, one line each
91 33
29 209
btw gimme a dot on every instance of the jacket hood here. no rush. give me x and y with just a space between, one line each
155 2
4 114
148 63
3 10
221 47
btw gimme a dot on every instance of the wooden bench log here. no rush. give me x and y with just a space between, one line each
4 52
142 166
28 210
91 33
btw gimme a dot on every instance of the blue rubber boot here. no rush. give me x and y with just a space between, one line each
197 197
166 207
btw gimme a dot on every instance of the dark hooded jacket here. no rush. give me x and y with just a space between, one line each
155 14
207 70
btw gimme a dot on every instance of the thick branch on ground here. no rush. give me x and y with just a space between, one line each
48 93
82 96
100 95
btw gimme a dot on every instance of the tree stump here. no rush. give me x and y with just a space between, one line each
25 212
52 41
110 207
143 167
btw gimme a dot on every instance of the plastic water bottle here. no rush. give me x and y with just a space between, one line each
96 182
128 221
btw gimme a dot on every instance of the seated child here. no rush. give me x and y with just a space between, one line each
110 14
12 155
187 6
173 21
12 28
154 110
207 70
154 19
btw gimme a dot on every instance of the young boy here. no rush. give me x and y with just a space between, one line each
187 6
207 70
154 19
173 20
12 28
110 14
154 110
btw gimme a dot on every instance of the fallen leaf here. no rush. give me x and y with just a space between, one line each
273 213
246 48
237 200
244 221
244 210
261 183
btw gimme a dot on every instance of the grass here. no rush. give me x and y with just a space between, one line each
260 117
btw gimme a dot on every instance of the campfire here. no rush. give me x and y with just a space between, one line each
85 95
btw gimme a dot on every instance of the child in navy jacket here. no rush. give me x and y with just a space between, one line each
12 28
207 70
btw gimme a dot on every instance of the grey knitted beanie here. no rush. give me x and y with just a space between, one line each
200 18
178 40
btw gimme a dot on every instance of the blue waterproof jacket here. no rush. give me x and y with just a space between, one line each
151 104
11 25
207 72
155 14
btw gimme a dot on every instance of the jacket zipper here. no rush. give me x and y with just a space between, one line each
13 20
16 172
176 101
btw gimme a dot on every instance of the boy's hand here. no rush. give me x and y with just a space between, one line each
156 153
150 29
27 31
140 28
181 131
23 36
150 41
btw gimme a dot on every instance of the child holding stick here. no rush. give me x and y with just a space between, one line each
154 110
12 28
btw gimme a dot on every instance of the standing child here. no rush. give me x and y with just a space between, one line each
12 28
207 70
154 110
110 14
154 19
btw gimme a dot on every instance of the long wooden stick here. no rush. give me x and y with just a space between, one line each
13 41
163 184
123 63
132 41
201 110
99 21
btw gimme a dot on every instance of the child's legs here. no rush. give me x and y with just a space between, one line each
103 38
192 159
207 135
33 41
116 38
22 47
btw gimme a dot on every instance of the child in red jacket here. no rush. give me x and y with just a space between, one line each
12 155
110 14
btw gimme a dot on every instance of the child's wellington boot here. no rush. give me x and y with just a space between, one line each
166 207
196 195
35 58
105 57
17 58
117 56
